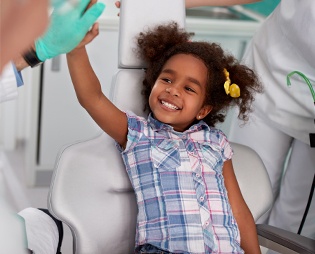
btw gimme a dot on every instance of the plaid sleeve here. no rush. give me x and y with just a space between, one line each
227 151
136 125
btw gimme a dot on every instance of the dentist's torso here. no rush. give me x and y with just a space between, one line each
286 43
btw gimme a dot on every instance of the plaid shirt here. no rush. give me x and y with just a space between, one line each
182 202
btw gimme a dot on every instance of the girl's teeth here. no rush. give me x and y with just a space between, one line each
171 106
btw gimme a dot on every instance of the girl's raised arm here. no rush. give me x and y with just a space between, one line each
89 93
241 212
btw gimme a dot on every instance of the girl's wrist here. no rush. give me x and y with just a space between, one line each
76 51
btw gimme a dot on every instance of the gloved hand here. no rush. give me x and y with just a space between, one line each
67 29
64 5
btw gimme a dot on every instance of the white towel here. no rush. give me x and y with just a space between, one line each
12 229
41 230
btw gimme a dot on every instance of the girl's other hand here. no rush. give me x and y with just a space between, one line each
118 6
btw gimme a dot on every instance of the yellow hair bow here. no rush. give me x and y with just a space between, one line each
233 89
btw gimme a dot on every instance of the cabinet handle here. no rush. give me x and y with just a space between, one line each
242 49
55 64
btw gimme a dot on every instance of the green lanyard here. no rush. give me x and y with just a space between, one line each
307 81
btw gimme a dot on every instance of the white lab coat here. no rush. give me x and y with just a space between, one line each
12 230
283 117
32 228
285 43
41 230
8 84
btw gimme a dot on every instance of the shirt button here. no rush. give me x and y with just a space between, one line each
207 223
202 198
197 175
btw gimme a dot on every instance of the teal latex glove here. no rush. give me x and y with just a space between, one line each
64 5
67 29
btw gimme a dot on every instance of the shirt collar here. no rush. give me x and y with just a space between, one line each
156 125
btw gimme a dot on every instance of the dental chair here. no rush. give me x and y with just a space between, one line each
90 190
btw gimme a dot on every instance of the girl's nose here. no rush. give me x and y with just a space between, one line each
173 90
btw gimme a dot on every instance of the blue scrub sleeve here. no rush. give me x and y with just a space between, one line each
18 76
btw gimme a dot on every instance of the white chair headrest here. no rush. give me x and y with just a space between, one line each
140 16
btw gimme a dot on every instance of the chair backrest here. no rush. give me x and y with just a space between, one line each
253 180
90 190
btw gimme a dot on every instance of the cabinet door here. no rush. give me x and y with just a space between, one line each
234 45
62 120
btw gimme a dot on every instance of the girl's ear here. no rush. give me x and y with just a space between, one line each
204 111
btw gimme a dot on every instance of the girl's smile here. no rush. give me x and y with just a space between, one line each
169 105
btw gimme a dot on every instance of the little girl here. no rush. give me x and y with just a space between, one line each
179 165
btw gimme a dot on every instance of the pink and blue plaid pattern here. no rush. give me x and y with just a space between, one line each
177 177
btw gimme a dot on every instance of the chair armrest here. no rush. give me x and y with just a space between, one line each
284 241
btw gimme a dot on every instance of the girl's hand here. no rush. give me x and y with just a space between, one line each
90 35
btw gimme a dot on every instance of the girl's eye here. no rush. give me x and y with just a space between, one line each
189 89
167 80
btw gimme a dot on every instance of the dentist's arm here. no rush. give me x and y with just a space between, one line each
196 3
67 29
65 32
21 22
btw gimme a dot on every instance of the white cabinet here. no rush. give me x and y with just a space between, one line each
234 45
232 35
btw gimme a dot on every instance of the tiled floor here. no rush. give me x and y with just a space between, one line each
21 196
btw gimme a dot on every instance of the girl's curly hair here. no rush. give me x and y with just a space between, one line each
159 44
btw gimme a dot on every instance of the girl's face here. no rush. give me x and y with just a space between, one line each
178 95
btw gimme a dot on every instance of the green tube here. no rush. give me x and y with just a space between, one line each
306 80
